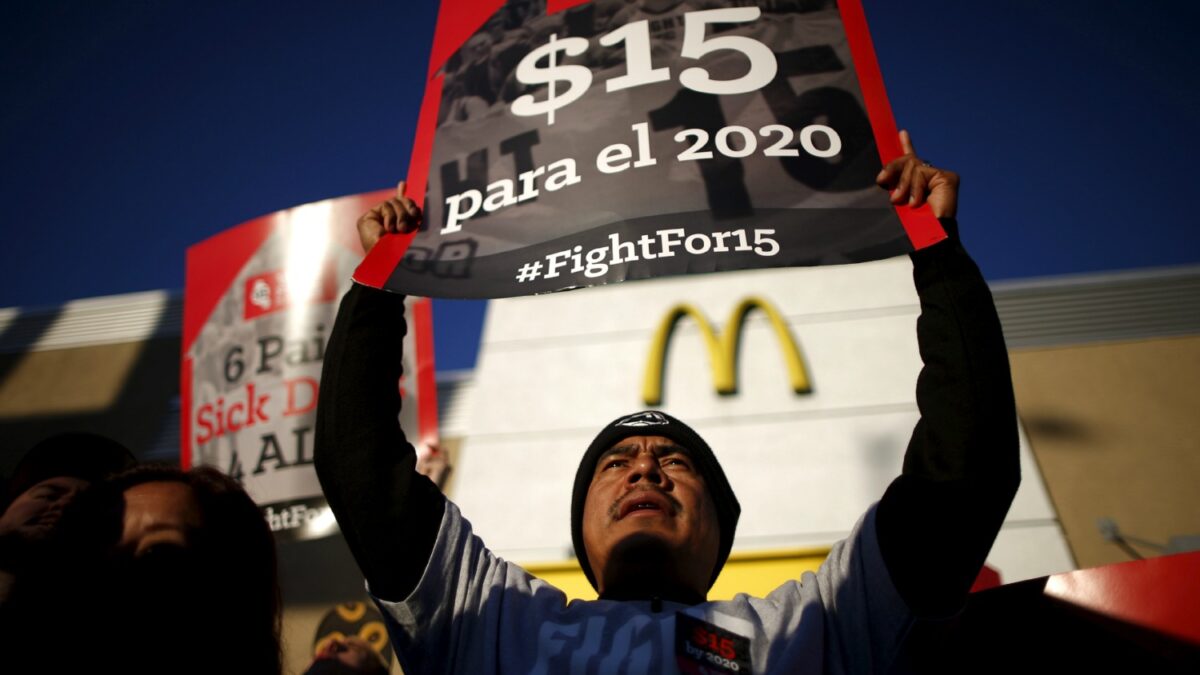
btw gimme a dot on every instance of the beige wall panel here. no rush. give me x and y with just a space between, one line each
851 363
1030 550
554 369
800 482
299 626
1032 502
838 288
66 381
517 493
1116 431
798 479
120 390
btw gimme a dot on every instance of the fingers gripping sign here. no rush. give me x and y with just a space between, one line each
915 182
398 215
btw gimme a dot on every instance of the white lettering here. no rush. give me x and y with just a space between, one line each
562 174
454 215
500 194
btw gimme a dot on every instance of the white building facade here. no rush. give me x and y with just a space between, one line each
555 369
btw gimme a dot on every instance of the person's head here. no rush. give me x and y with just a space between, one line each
51 475
652 514
172 553
350 655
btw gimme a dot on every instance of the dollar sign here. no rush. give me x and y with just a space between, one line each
578 78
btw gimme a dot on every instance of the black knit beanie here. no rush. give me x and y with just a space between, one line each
655 423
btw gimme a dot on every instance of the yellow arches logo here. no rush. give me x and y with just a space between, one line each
722 350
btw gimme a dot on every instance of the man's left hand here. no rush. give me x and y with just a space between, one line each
914 182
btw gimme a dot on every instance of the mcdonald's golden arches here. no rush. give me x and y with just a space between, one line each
722 348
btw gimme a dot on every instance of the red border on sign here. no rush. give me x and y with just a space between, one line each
224 255
457 21
553 6
922 227
185 404
387 252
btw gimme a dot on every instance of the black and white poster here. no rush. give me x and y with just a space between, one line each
598 142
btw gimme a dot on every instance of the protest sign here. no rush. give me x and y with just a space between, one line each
570 144
259 304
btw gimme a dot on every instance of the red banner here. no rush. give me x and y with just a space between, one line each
259 302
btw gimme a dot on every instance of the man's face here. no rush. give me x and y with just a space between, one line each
648 488
35 512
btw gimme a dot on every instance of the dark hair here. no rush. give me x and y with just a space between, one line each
75 453
212 606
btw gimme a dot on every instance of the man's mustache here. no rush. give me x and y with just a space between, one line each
614 511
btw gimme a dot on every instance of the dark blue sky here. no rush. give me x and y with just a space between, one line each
129 131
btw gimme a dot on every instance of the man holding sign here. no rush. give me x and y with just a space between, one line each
653 516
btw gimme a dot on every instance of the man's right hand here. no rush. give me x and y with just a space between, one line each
398 215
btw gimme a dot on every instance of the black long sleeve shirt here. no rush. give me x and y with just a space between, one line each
935 523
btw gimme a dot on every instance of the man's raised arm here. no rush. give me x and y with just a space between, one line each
388 513
937 521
